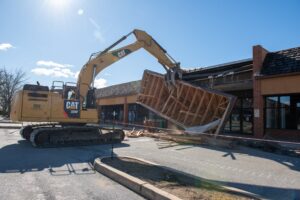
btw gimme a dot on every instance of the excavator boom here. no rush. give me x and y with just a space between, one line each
101 60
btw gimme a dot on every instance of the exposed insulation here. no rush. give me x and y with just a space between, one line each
186 105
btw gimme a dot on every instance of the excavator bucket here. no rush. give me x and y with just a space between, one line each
193 108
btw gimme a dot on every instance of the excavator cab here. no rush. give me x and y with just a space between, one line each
70 91
57 87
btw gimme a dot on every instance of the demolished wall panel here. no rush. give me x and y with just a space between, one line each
186 105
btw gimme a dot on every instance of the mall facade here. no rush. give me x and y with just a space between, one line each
267 87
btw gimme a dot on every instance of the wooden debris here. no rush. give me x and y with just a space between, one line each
134 133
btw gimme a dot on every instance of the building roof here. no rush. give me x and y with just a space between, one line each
216 70
123 89
282 62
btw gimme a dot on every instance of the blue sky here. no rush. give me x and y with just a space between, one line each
52 39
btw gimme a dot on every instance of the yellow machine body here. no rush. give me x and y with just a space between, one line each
46 106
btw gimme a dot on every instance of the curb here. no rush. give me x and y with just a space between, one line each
137 185
146 189
10 127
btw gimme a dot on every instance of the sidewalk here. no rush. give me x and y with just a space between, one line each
9 125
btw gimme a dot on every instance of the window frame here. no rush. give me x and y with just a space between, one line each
278 108
241 109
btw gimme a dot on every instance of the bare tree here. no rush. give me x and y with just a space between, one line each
1 78
9 84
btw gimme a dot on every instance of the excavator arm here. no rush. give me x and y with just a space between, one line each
101 60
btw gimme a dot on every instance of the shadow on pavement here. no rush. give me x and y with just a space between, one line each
292 163
267 192
22 158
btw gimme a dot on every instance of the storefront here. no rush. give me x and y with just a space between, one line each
241 118
117 104
267 88
277 93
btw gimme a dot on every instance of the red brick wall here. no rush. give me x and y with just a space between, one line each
281 134
259 54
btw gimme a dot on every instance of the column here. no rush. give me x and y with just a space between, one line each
259 54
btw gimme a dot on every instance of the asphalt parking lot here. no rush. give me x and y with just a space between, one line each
62 173
66 173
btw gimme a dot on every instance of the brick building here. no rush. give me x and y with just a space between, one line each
267 87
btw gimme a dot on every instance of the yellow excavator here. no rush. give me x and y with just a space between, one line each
70 109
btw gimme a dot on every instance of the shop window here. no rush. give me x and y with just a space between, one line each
272 102
241 118
106 115
284 111
278 112
272 112
298 115
247 120
271 118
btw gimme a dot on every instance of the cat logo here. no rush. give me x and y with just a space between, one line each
72 105
121 53
72 108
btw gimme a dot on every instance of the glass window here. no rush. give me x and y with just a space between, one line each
271 118
241 118
278 112
247 120
272 102
107 113
284 112
238 103
247 102
285 118
298 115
236 120
227 126
272 112
284 101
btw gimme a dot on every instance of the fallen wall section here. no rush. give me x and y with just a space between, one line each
188 106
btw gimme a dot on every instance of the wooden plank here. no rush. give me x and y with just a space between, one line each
224 103
155 91
175 98
151 88
147 96
177 101
219 100
199 106
166 104
207 108
186 95
159 96
171 106
189 113
190 107
179 91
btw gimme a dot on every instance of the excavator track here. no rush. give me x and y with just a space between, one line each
61 136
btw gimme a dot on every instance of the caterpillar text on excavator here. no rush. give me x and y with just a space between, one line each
70 108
